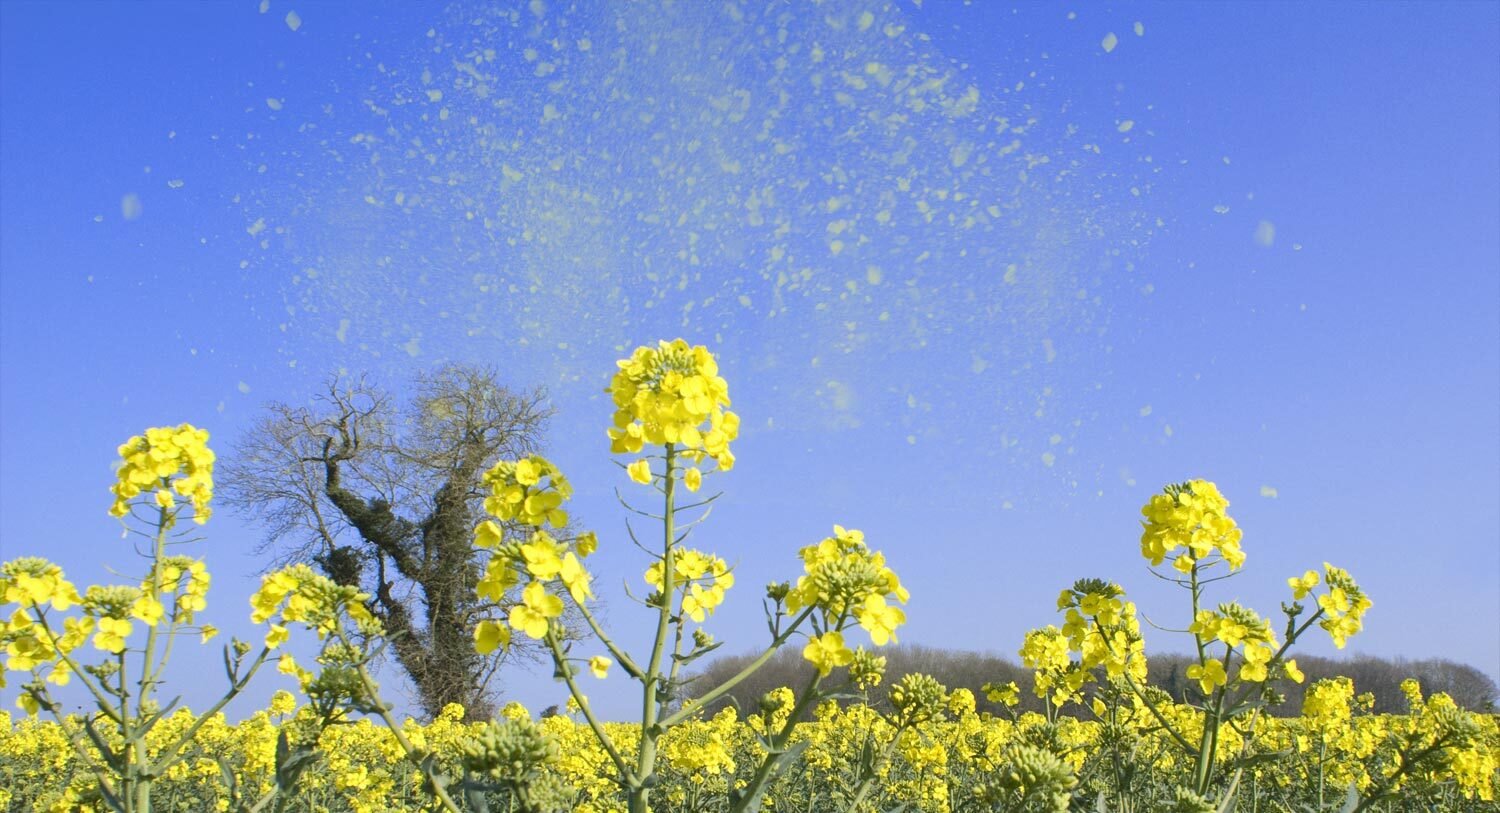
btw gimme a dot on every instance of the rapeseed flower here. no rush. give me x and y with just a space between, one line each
827 652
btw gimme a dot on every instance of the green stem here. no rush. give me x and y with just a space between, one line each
170 755
777 743
1205 748
588 713
150 670
621 656
412 754
73 666
103 774
650 701
715 693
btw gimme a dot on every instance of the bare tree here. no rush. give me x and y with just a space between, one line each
386 497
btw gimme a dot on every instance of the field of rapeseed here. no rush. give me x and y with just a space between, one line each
822 746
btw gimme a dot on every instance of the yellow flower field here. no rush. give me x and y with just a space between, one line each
847 739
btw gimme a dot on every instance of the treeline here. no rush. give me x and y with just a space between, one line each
1382 677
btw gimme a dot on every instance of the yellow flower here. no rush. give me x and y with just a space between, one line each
576 578
1209 675
166 461
531 616
111 634
1257 657
879 619
1304 585
528 473
827 651
1293 672
488 535
530 491
692 478
640 471
664 395
543 556
599 665
499 576
586 543
489 636
147 609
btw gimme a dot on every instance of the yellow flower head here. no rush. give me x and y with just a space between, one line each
1303 585
1343 606
530 491
31 581
842 573
297 594
1210 675
827 651
1193 517
535 611
166 463
489 636
672 394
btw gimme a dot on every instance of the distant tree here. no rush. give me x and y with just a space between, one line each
955 669
1470 688
386 496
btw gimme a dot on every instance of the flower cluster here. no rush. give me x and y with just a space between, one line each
1344 605
34 583
1328 703
866 669
703 579
541 559
918 698
1192 516
530 491
1054 673
841 574
182 575
513 750
167 463
701 748
31 581
664 395
1006 693
1238 628
1099 630
297 594
843 578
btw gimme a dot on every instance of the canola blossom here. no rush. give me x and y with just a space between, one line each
672 394
166 463
848 739
670 406
955 760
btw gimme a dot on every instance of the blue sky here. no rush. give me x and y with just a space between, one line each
1257 243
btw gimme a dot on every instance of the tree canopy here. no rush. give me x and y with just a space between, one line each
382 492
